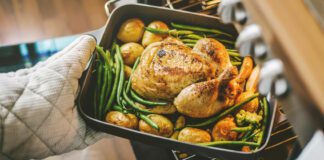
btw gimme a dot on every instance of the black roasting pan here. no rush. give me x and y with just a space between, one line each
148 14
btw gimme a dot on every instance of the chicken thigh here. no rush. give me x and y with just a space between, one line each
200 100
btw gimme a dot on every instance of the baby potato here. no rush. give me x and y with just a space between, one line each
181 122
165 126
252 106
175 135
223 129
131 51
131 30
194 135
125 120
149 37
127 71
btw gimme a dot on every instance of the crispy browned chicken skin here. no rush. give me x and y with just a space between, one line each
166 68
170 70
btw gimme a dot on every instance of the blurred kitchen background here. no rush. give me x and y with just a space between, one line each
33 30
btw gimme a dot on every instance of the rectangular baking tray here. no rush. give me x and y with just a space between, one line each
148 14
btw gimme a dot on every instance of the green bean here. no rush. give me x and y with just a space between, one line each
103 88
130 77
95 103
193 36
226 112
237 59
229 143
234 54
113 48
174 32
189 40
145 102
265 121
117 108
107 79
121 75
226 41
236 63
110 76
245 138
201 29
190 44
156 31
108 54
99 85
132 104
246 135
102 54
114 89
148 121
242 129
170 32
232 50
124 103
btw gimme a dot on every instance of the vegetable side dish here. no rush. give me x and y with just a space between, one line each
180 81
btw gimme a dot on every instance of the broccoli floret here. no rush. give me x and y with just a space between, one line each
244 117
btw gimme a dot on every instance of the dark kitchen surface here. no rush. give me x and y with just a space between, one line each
282 145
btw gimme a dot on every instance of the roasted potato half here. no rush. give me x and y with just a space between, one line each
121 119
194 135
149 37
130 51
223 129
131 30
127 71
251 106
165 126
180 123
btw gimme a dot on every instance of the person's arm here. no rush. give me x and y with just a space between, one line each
38 116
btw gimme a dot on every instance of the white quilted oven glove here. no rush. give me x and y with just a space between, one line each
38 116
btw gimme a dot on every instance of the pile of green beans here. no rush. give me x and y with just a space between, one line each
191 34
199 29
265 121
104 80
111 91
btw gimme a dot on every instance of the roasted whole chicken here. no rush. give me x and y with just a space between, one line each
178 70
191 78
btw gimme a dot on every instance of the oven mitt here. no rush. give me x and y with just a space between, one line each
38 116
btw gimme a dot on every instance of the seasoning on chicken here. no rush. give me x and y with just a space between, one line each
169 69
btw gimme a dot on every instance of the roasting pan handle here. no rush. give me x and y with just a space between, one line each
108 7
